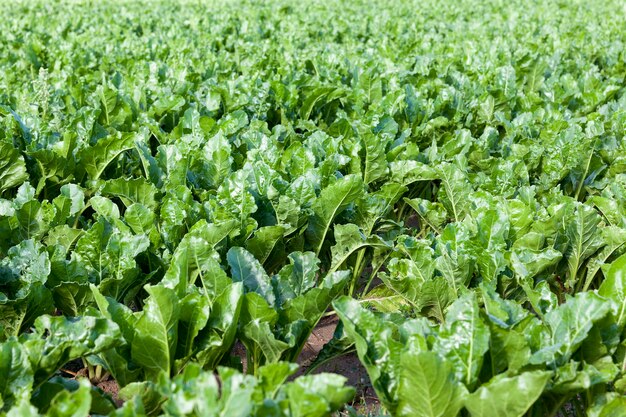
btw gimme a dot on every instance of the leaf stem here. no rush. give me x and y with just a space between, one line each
356 271
582 179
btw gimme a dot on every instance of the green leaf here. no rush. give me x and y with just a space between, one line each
265 240
350 239
298 277
510 396
609 405
332 201
246 268
584 240
194 315
17 374
375 164
408 172
72 404
131 191
615 238
376 347
464 339
384 299
568 326
428 387
324 392
456 190
58 340
435 297
12 167
455 260
614 288
196 255
528 263
407 276
216 339
260 333
96 158
70 202
156 331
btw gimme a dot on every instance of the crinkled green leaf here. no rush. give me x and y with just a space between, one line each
511 396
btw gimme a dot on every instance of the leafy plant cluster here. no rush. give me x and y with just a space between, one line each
449 178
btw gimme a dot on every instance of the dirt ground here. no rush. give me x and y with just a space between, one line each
347 365
365 400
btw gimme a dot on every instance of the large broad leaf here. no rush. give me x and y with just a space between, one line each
96 158
245 268
614 288
527 263
257 335
375 162
584 240
608 405
195 255
408 172
615 238
258 320
215 340
70 202
407 276
23 296
200 393
230 393
194 314
455 260
58 340
267 240
378 351
350 239
456 190
156 331
316 395
311 305
297 277
132 191
434 298
490 241
332 201
76 403
17 374
108 253
12 167
428 387
464 339
374 206
507 396
567 327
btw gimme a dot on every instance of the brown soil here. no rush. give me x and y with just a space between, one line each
110 387
365 400
347 365
76 370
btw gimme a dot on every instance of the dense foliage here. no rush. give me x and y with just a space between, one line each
448 177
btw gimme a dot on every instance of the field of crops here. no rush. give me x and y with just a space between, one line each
188 188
